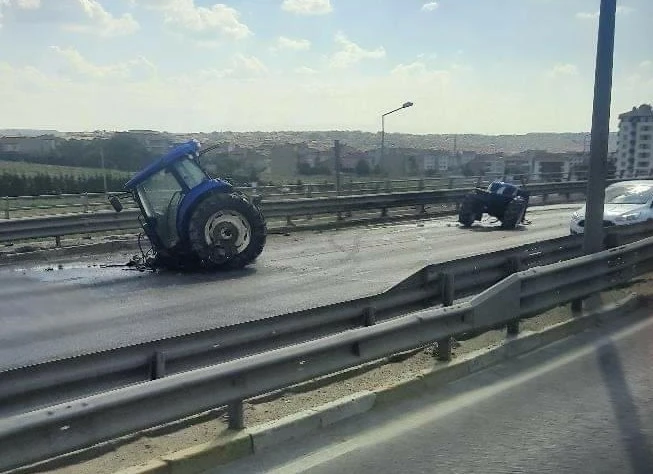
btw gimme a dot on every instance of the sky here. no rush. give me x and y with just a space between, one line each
469 66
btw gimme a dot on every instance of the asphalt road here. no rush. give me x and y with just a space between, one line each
81 307
581 405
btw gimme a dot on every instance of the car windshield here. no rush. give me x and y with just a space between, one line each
629 194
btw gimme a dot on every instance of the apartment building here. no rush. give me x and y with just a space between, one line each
635 143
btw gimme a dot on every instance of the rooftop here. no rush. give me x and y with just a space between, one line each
644 110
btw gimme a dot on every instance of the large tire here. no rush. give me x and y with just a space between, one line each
226 231
468 211
514 213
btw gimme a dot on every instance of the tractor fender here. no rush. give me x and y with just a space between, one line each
191 199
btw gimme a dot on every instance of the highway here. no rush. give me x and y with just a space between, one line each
51 311
580 405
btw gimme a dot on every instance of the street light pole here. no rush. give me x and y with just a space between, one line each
404 106
593 234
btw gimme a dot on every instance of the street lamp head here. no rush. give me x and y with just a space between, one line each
407 104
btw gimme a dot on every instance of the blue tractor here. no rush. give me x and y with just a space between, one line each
504 201
194 221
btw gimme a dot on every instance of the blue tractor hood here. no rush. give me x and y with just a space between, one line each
191 147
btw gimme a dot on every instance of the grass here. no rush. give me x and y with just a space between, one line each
31 169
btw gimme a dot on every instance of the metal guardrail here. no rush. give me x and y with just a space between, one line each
30 387
17 206
106 221
60 429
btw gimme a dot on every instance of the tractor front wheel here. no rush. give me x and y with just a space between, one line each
514 213
469 211
226 231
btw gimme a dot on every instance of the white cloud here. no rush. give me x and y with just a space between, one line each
19 4
99 21
430 6
203 22
284 42
418 73
646 64
621 10
305 70
79 67
587 15
307 7
240 67
28 4
350 53
561 69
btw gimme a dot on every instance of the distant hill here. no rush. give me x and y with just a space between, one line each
27 132
552 142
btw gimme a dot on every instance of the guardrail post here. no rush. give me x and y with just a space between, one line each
351 193
515 265
158 365
420 184
448 296
612 240
236 415
309 190
57 241
6 207
369 316
451 182
388 186
85 202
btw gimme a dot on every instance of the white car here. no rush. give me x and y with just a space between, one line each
628 202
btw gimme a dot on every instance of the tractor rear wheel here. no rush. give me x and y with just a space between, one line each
514 213
226 231
468 210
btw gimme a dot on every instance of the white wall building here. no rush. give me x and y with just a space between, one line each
635 143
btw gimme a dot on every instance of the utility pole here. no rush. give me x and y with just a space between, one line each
593 233
104 173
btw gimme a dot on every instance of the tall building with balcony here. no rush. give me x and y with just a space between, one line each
635 143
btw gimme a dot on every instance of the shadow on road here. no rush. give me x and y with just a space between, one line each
635 441
493 228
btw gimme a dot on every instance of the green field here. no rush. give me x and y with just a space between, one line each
32 169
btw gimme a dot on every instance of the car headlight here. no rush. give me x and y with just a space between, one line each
628 217
575 216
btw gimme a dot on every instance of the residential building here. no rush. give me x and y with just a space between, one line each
42 145
493 165
635 143
155 142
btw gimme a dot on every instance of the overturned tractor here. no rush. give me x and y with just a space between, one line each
504 201
194 221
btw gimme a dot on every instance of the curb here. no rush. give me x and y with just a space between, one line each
252 440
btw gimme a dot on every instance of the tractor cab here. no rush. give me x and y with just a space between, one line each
182 211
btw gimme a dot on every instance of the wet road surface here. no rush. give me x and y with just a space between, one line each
50 312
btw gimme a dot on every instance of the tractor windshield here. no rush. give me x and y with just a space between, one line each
190 172
160 195
157 193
